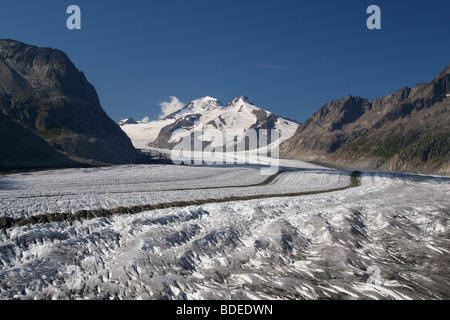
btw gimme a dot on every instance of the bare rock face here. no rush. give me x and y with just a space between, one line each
408 130
164 138
21 148
44 93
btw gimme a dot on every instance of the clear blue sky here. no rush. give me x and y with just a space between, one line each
288 56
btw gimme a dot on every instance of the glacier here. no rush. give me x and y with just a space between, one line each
315 246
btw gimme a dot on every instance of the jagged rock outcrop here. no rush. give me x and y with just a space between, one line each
127 121
408 130
47 99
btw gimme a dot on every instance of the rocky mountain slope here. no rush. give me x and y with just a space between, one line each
408 130
239 115
51 115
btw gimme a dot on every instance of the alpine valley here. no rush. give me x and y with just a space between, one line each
99 224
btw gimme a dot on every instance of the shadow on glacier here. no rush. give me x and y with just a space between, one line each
6 184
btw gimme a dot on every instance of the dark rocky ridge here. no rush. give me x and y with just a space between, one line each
165 135
408 131
54 108
127 121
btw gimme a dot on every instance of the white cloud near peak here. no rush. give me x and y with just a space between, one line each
145 120
169 107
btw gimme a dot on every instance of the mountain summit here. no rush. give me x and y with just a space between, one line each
196 106
46 101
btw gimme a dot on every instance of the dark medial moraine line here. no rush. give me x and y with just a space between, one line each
266 182
7 223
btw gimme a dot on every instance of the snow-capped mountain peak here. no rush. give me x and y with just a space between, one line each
205 103
196 106
241 100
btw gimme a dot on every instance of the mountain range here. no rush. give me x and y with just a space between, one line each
408 131
239 115
50 115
